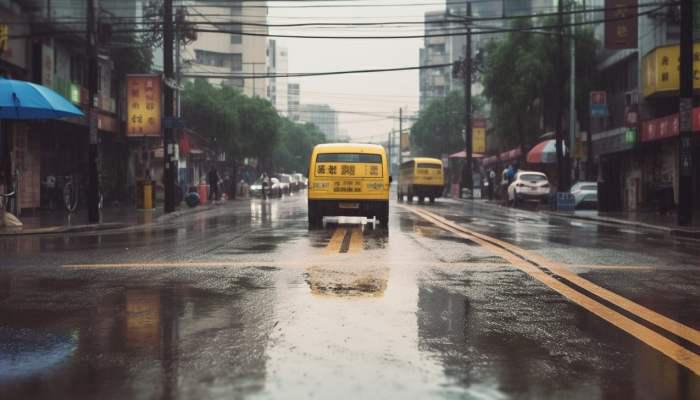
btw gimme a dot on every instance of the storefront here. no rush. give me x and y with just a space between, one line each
659 147
619 175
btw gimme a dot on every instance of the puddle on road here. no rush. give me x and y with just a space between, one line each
146 341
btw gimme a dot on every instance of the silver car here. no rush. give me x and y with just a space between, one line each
585 194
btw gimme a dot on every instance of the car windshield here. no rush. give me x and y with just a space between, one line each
533 178
589 187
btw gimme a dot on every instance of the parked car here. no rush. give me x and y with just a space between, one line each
528 186
298 179
275 189
285 183
585 194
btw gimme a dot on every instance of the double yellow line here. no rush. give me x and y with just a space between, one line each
345 240
546 271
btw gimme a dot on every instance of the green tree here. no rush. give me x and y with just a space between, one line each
295 144
520 82
440 127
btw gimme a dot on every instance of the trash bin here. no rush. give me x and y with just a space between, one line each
203 191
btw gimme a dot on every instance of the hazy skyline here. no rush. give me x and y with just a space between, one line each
380 93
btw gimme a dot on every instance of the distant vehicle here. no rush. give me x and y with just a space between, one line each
298 180
285 183
528 186
256 189
585 194
348 179
422 177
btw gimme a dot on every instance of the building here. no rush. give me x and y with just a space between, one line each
223 57
437 82
636 145
277 64
58 148
293 101
321 115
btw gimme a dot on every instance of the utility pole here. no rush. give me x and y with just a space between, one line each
467 172
93 181
400 136
572 98
562 173
169 169
685 151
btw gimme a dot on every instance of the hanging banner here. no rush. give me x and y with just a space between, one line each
621 24
143 105
599 104
479 135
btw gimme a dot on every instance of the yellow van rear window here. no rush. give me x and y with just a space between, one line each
425 165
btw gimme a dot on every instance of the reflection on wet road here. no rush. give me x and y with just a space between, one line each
452 301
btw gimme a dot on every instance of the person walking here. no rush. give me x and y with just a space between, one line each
213 180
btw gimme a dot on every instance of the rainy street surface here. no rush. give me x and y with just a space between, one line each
454 300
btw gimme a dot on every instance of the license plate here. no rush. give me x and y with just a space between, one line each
349 205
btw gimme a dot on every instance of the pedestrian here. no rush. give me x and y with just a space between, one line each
213 180
492 183
265 185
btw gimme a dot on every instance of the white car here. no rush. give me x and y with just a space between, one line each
528 186
585 194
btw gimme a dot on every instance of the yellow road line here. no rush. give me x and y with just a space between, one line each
336 241
675 327
671 349
356 240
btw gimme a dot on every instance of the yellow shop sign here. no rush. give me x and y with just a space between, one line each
661 69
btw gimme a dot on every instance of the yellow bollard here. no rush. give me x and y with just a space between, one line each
147 196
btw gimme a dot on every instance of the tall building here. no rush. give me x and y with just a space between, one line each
277 64
437 82
321 115
221 55
293 100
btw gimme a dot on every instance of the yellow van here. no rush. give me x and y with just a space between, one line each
422 177
348 179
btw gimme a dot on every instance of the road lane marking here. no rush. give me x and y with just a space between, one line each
518 258
675 327
336 240
356 241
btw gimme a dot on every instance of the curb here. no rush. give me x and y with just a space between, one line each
63 229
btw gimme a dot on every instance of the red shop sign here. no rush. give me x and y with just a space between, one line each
666 127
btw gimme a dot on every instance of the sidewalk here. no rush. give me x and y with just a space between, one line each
57 221
648 220
666 223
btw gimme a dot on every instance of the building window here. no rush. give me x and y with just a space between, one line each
236 38
236 8
236 62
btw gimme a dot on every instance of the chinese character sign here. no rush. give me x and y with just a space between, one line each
621 24
661 69
143 105
479 135
4 37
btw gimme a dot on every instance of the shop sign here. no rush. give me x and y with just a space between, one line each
599 104
661 69
405 142
4 37
614 141
47 66
143 105
74 93
479 135
667 127
621 24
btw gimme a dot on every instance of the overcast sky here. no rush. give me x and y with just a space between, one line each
382 93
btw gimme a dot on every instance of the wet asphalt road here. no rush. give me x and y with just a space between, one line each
243 301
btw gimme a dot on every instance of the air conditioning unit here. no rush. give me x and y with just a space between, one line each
631 98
